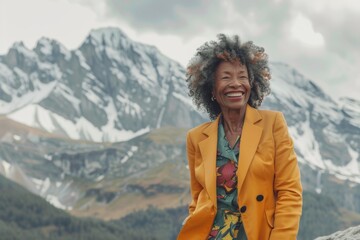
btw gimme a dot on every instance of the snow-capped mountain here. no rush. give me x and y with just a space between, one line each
326 132
113 89
110 89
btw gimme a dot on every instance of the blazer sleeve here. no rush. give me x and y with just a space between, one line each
287 184
195 186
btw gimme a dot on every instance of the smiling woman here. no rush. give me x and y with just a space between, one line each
244 176
232 92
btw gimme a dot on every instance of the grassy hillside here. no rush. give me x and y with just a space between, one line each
26 216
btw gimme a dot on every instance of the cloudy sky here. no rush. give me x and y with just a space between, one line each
320 38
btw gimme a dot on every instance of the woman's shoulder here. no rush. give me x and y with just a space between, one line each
256 113
269 113
272 117
269 116
199 128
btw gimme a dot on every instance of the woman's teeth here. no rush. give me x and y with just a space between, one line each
238 94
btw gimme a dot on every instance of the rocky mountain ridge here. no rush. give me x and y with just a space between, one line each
110 89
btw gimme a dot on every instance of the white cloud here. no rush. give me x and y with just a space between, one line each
329 5
28 21
303 31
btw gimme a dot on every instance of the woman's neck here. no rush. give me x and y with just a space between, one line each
233 121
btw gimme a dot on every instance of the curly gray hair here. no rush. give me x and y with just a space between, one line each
201 70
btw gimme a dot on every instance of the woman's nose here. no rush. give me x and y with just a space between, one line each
235 83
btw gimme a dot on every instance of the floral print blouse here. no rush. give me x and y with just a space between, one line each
227 224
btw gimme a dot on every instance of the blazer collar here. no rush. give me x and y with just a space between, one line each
250 138
252 116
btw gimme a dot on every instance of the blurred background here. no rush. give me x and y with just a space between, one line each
94 110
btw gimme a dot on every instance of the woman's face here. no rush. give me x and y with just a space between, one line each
232 86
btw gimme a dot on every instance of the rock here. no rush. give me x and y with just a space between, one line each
352 233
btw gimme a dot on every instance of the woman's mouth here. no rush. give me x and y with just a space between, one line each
234 94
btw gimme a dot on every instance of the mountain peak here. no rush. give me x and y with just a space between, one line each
115 38
109 36
47 47
17 53
18 44
20 47
108 31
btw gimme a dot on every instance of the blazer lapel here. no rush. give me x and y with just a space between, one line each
208 149
251 135
250 138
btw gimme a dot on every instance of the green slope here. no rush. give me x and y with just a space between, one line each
26 216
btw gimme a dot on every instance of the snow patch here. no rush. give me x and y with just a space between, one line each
307 144
158 124
39 117
82 60
45 46
129 154
41 92
53 200
118 74
41 185
21 49
350 171
45 186
129 107
99 178
69 95
186 100
16 137
7 167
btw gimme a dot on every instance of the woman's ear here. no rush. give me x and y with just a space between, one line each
213 98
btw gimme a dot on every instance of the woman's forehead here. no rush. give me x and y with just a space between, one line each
225 66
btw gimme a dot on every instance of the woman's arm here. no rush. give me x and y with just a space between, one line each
195 186
287 184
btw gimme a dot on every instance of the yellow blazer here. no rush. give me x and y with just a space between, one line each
269 187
